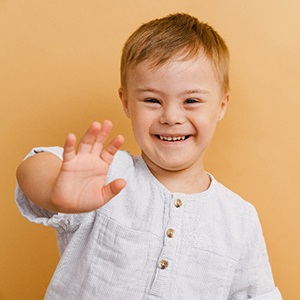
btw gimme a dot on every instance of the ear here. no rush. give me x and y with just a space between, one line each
223 105
123 97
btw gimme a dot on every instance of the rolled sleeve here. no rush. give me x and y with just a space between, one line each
274 295
253 277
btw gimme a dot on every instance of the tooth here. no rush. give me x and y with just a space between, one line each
177 138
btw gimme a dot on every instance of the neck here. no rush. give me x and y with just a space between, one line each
187 181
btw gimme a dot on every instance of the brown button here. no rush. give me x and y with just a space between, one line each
170 232
163 264
177 202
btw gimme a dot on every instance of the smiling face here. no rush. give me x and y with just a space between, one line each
174 110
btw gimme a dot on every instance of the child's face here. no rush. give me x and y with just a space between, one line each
174 110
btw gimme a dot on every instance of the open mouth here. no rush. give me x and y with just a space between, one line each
173 138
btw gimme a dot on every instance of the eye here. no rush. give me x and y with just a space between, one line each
151 100
191 101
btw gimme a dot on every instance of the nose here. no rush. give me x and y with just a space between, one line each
172 115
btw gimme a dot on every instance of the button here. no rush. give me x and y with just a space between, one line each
163 264
170 232
177 202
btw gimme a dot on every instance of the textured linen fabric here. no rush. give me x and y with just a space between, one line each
217 250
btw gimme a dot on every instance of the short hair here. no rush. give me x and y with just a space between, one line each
177 35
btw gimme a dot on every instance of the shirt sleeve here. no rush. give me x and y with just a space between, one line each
253 277
33 212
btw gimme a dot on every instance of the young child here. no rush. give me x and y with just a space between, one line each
156 226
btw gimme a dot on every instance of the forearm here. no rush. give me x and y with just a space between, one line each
36 177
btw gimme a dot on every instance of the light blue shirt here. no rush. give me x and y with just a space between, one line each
149 243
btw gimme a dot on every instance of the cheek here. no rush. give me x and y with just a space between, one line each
206 126
139 127
141 118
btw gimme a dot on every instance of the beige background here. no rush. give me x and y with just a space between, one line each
59 63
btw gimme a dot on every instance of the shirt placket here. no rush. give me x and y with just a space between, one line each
166 262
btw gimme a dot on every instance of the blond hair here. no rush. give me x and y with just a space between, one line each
177 35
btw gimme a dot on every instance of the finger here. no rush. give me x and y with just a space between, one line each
89 138
112 189
105 131
102 137
69 147
108 153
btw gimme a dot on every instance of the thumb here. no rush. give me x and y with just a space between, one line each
112 189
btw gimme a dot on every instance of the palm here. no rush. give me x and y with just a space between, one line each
80 185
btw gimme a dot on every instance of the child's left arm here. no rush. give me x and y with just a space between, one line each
253 277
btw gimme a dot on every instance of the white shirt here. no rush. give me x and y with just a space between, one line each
149 243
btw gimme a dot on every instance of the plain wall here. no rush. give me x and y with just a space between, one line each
59 71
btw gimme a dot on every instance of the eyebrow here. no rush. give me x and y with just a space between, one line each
143 90
196 91
186 92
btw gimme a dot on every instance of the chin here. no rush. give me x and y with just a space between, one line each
173 166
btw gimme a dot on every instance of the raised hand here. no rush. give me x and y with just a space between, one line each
80 184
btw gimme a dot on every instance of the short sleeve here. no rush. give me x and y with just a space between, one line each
253 277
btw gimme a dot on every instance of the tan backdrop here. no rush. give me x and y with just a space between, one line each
59 63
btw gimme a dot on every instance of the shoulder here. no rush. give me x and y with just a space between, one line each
232 199
235 208
122 163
